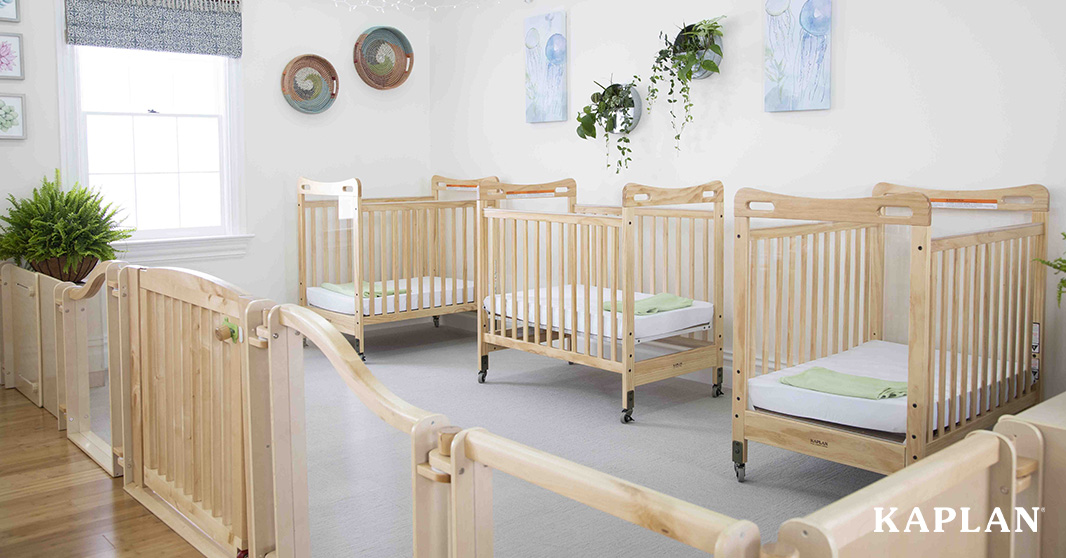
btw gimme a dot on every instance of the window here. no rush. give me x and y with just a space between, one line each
155 137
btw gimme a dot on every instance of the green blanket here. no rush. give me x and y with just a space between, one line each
349 289
656 304
828 381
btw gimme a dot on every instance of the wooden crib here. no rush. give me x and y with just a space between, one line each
538 268
814 293
423 244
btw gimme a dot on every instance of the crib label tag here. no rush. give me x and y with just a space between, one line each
949 203
1034 368
346 207
1036 337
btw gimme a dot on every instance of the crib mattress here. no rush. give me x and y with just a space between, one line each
436 291
645 327
874 359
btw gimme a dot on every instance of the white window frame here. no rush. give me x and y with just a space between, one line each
189 244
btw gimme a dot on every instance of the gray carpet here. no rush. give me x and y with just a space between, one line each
680 445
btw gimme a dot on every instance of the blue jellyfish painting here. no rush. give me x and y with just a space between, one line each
546 95
797 71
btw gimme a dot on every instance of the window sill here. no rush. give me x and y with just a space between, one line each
198 248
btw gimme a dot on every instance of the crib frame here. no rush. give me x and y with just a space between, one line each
386 239
612 242
943 271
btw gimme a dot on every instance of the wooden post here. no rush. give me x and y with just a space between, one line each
742 362
629 311
431 500
920 359
258 432
471 504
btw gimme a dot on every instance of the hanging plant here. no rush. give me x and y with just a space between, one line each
694 54
615 110
1058 265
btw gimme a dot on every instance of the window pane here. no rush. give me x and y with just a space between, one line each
198 84
151 82
109 140
157 143
157 201
118 190
201 200
105 79
198 144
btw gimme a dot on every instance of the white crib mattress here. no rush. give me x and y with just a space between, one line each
436 291
645 327
874 359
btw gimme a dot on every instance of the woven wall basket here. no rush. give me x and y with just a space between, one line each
383 57
310 84
53 267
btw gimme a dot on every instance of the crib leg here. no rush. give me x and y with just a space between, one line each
436 321
627 413
716 389
738 460
484 369
358 348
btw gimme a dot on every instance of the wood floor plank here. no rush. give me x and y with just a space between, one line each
55 501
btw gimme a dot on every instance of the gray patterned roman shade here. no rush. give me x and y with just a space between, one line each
188 26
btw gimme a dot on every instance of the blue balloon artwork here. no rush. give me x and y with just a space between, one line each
797 70
546 95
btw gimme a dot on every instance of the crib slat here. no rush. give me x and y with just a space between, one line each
1019 319
856 320
1026 321
942 324
964 345
187 399
601 284
466 260
814 298
791 324
612 261
640 252
827 292
677 266
779 300
1012 289
983 372
313 223
514 279
586 242
536 283
996 395
707 274
846 301
371 260
206 404
654 257
572 260
549 319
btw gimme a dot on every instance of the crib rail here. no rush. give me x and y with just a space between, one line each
985 308
1033 197
405 241
814 290
184 427
451 468
576 256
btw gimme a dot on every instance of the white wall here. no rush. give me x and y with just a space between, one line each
930 93
24 162
381 137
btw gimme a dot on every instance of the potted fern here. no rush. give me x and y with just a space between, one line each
60 233
616 110
1058 266
693 54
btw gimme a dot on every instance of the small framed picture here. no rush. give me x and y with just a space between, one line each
9 10
12 116
11 56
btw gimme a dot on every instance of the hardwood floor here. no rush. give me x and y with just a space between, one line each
55 501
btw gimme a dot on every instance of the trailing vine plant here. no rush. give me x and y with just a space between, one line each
681 60
612 110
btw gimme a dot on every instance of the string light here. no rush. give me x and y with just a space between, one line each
412 5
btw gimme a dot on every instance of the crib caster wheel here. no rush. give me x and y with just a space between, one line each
362 356
627 416
716 390
481 376
436 321
305 343
738 468
570 363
